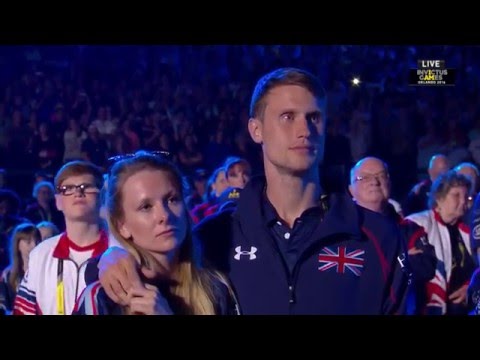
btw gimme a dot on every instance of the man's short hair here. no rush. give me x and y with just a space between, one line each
77 168
279 77
360 162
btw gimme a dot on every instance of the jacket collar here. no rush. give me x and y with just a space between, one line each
62 250
460 224
342 217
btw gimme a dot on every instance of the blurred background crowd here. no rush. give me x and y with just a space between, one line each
59 103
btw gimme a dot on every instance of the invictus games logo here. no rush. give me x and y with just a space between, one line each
432 73
234 194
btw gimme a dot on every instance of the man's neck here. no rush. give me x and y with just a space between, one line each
378 207
292 195
83 233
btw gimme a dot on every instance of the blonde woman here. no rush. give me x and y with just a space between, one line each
148 216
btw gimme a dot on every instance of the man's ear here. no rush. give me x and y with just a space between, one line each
350 189
255 130
59 202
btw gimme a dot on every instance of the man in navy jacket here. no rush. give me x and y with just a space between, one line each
346 264
370 187
287 248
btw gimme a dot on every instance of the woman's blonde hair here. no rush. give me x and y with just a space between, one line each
192 284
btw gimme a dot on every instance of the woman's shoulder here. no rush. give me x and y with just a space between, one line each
422 218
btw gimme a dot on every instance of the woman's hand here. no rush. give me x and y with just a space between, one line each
147 300
459 296
118 274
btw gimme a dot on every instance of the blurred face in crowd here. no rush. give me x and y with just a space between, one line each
438 165
93 132
72 123
44 194
370 184
453 205
220 183
471 174
4 208
238 175
200 185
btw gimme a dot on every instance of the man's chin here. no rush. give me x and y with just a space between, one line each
303 165
376 201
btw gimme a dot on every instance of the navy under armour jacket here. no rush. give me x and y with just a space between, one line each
354 262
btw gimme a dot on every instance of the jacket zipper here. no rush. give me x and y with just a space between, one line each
291 287
78 268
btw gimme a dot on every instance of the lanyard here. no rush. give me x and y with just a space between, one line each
60 289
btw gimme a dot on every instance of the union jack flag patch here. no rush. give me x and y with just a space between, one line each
341 259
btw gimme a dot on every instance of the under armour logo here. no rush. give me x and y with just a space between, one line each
401 259
251 253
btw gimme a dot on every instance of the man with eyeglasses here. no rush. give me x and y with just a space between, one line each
370 188
370 184
56 273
